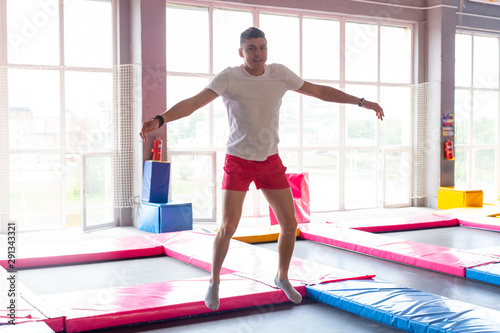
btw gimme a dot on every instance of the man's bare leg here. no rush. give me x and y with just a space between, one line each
281 202
231 214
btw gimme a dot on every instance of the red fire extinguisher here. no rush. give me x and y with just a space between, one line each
157 149
448 148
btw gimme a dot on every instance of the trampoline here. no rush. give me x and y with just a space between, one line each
318 271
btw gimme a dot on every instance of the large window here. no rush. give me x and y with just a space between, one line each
477 112
353 160
57 94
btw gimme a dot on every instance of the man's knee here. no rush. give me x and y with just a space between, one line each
227 230
290 226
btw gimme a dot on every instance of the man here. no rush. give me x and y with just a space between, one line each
252 94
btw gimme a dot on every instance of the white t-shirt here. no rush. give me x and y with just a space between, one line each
253 104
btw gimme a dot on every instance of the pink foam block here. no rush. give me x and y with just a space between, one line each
84 251
428 256
251 261
299 185
398 223
97 309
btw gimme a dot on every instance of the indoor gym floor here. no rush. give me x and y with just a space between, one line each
306 317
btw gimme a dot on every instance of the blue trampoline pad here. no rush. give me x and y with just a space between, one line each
487 273
404 308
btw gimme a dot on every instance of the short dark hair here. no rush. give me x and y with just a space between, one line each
250 33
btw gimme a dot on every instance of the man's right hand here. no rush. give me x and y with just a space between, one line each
148 126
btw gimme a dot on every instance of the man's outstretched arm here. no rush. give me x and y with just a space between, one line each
180 110
330 94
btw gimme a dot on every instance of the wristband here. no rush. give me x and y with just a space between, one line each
361 101
160 119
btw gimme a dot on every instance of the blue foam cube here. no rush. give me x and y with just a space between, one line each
155 181
165 217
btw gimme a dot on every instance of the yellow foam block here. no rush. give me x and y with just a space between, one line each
449 197
259 234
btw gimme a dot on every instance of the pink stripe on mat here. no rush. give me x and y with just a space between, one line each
437 258
397 223
251 261
101 308
84 251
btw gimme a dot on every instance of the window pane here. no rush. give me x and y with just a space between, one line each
395 54
484 173
396 127
463 60
485 117
323 168
360 179
397 175
321 49
321 123
73 179
192 181
361 56
98 190
89 111
33 32
192 131
360 124
88 33
463 107
228 25
486 61
187 39
461 168
282 34
35 191
34 109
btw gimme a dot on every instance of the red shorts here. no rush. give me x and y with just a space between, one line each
268 174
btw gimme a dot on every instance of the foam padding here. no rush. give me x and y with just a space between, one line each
449 197
155 181
485 223
492 251
251 261
166 217
486 273
259 234
398 223
33 327
404 308
433 257
28 308
32 255
102 308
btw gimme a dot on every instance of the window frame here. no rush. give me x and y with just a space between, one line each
341 83
62 150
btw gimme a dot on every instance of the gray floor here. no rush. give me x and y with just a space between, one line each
306 317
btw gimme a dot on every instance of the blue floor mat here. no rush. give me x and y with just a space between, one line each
487 273
404 308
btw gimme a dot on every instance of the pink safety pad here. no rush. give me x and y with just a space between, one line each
437 258
83 251
28 308
101 308
486 223
247 260
481 217
397 223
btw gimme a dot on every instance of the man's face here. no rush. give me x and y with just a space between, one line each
254 54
